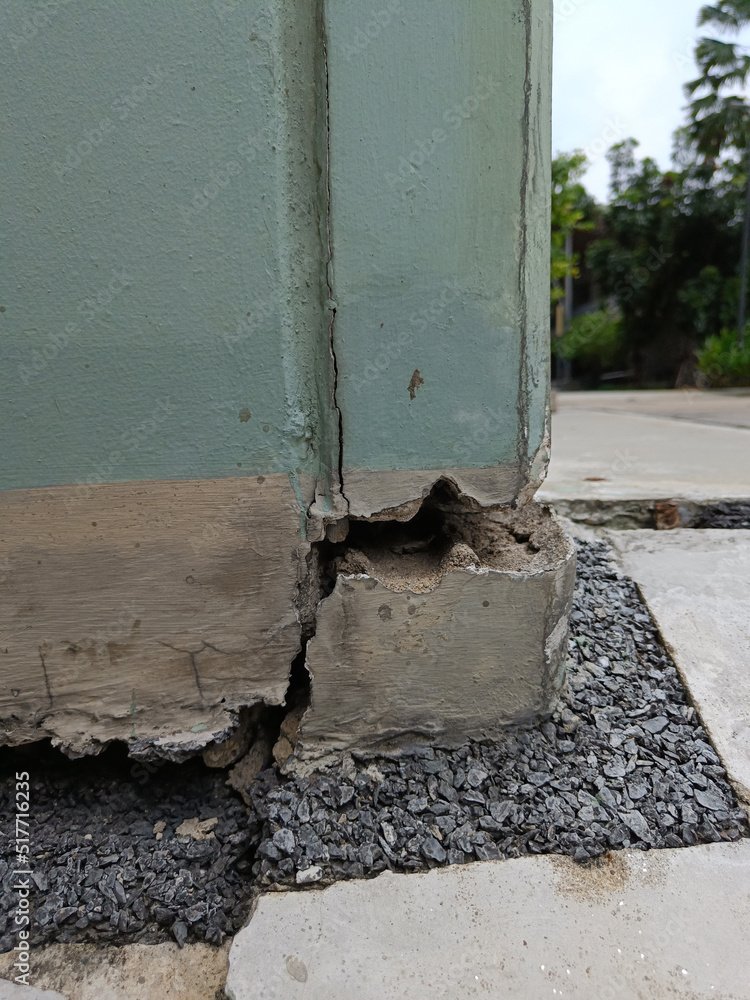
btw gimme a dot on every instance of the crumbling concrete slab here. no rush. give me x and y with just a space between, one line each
634 926
133 972
146 612
440 634
697 585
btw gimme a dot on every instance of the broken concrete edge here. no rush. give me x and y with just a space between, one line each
662 514
520 551
222 739
219 731
397 495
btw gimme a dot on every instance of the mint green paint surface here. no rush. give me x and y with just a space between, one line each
439 136
161 247
170 256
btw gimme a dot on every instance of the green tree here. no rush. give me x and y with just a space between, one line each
573 210
667 259
719 112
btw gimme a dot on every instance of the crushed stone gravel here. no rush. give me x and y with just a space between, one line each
728 514
624 762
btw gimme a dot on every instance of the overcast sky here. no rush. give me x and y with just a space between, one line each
619 71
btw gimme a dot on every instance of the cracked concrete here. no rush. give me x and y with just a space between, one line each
439 630
224 571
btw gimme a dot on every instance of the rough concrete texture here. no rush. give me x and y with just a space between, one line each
133 972
10 990
113 595
697 585
631 927
439 639
616 447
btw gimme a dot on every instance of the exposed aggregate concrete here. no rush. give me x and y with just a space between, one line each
624 762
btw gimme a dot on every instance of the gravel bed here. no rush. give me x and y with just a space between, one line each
108 864
728 514
625 762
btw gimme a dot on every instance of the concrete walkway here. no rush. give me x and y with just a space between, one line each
638 925
615 446
697 586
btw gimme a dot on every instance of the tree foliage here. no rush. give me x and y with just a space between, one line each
573 210
719 124
666 267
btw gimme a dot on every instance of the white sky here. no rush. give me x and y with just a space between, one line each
619 70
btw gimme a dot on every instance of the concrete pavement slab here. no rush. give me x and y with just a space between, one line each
697 585
645 446
14 991
635 925
133 972
725 407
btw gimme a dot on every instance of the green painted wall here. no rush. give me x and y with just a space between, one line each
440 185
161 250
167 287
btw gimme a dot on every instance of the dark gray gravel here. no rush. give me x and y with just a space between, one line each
624 763
100 872
728 514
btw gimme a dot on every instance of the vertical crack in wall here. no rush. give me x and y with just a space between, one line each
329 266
523 240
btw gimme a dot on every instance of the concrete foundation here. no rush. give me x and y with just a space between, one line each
440 632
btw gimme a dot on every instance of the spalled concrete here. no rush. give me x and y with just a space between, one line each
635 926
441 633
697 585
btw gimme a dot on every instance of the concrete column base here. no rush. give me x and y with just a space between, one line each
440 633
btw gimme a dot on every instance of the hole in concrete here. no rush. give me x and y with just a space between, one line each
448 531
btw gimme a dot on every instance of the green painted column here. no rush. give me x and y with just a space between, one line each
439 166
266 264
163 305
